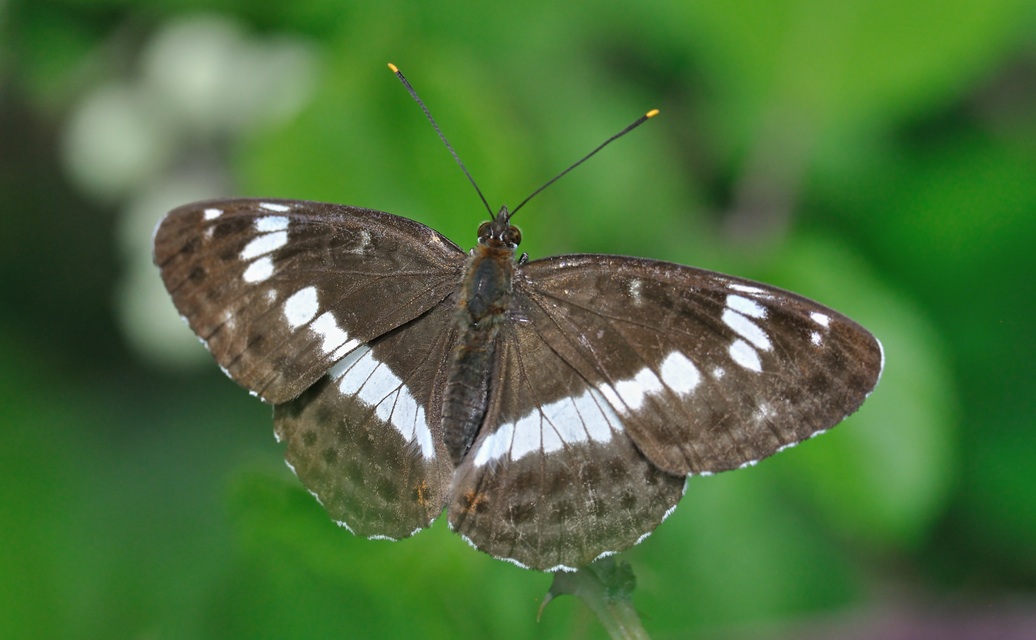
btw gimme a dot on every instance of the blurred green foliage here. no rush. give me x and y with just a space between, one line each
878 156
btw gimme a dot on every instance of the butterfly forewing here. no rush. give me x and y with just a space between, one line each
707 372
279 290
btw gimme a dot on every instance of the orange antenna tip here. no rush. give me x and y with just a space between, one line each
649 114
393 68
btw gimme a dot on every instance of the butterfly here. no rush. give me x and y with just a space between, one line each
553 407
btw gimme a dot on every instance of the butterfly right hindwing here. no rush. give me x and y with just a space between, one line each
553 481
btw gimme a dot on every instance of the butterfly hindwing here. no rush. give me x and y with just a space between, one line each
366 439
279 290
553 481
707 372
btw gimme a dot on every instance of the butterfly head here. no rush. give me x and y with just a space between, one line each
498 232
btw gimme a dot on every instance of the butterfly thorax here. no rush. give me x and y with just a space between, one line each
483 301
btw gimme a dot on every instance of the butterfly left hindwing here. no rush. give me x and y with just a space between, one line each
367 439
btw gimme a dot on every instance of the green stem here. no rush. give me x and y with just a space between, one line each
606 587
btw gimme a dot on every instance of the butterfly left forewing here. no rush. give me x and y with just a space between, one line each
279 290
707 372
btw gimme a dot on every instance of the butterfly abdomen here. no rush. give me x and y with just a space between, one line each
467 389
484 300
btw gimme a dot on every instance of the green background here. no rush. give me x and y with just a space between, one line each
878 156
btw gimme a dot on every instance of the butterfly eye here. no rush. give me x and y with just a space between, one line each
484 231
513 237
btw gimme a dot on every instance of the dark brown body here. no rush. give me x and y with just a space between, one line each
484 298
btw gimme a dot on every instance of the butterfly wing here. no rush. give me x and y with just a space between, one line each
708 372
366 439
620 376
556 482
279 290
342 318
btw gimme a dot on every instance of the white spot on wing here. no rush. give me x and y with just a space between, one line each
815 338
408 417
562 422
264 244
365 243
335 339
743 354
269 224
371 382
822 319
881 366
598 416
763 412
679 373
527 435
746 329
567 421
496 445
518 564
746 306
342 366
634 391
258 271
611 396
301 307
212 214
635 287
747 289
379 385
273 206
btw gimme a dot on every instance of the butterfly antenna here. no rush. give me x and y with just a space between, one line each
435 125
639 121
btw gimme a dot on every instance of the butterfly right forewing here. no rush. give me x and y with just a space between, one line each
708 372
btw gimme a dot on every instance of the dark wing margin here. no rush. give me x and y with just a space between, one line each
279 290
707 372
